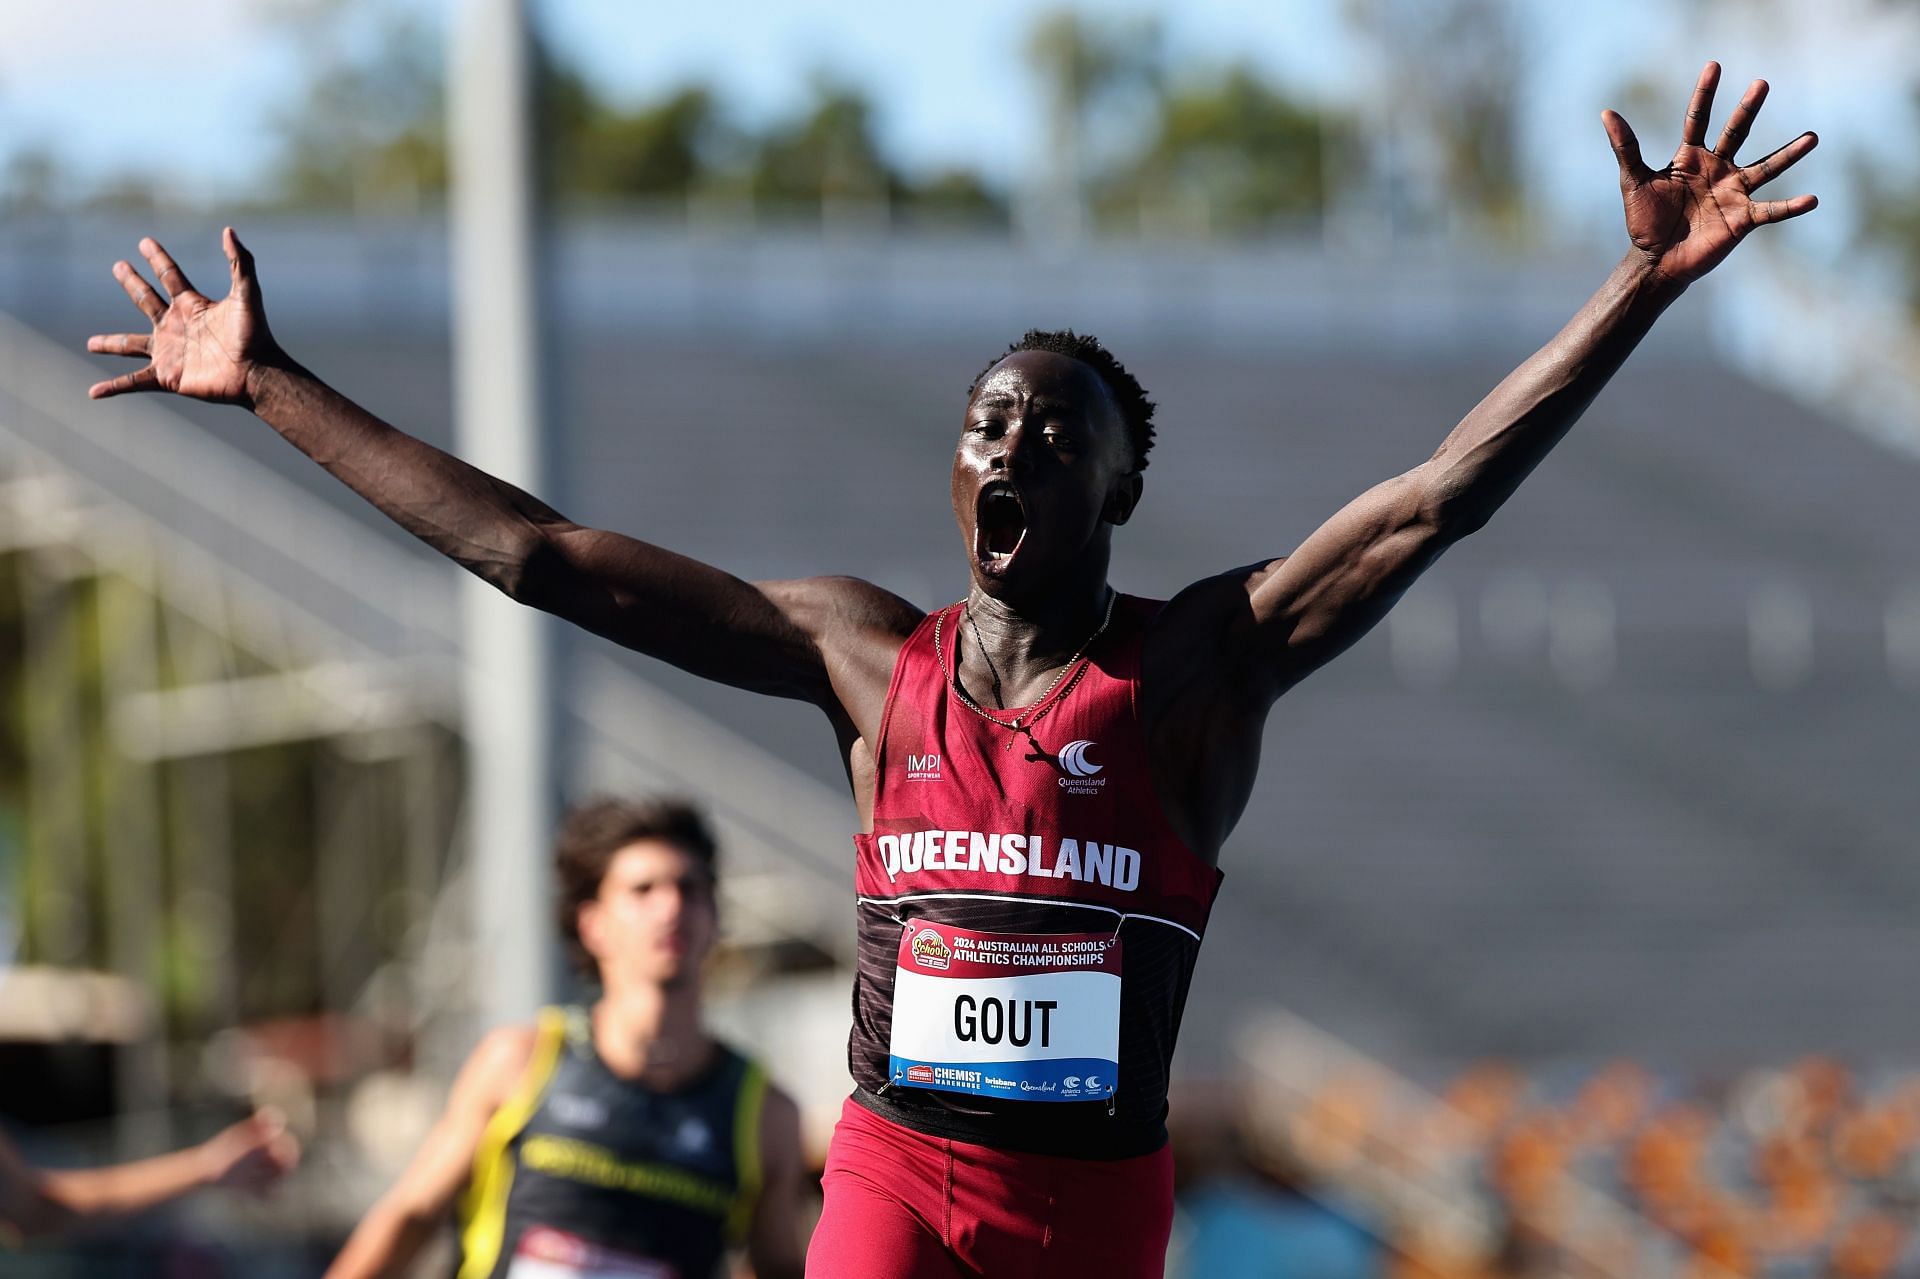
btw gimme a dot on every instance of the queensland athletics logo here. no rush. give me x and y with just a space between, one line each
1078 774
930 950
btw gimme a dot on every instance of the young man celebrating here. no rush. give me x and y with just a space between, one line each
1046 771
620 1141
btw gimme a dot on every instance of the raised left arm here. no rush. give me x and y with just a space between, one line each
1682 221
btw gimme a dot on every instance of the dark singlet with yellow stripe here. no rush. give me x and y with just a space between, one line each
583 1175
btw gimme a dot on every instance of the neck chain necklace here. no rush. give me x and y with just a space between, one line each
1023 722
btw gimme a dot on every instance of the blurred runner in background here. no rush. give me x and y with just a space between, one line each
619 1139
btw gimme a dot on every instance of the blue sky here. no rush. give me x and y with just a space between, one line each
187 89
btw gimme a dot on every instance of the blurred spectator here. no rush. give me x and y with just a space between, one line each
1796 1172
1868 1247
1611 1104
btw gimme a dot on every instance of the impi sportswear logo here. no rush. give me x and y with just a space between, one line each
923 768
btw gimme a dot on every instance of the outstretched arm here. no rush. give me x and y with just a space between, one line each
1682 221
249 1155
405 1220
766 638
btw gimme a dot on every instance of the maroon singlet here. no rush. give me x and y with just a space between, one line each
1020 906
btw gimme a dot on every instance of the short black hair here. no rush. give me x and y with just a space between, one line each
1136 410
591 833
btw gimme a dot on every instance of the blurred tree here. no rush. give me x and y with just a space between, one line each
667 148
33 182
827 154
370 134
1088 73
1889 207
370 131
1231 153
126 194
1440 128
956 196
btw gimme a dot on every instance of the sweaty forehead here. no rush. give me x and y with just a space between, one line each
1027 375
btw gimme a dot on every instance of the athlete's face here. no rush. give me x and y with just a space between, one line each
1044 469
653 920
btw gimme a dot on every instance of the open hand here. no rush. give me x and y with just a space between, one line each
1688 216
252 1154
198 348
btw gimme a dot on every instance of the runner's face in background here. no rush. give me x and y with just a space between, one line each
653 920
1043 469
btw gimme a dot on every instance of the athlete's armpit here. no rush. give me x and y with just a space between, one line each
857 629
1311 606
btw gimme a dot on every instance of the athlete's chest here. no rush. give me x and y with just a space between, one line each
1080 746
587 1112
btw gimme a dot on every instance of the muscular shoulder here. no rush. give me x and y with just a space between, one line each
828 608
495 1067
857 629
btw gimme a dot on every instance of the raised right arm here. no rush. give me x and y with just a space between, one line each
766 638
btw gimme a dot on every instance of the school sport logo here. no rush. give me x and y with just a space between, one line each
930 951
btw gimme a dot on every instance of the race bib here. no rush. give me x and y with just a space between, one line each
1035 1016
554 1254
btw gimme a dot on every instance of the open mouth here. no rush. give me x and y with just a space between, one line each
1000 524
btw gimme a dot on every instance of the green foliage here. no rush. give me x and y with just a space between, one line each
371 131
1081 63
1224 152
1236 148
956 196
829 153
1445 88
1889 202
32 182
662 149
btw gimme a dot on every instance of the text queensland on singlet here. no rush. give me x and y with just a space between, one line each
1028 921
